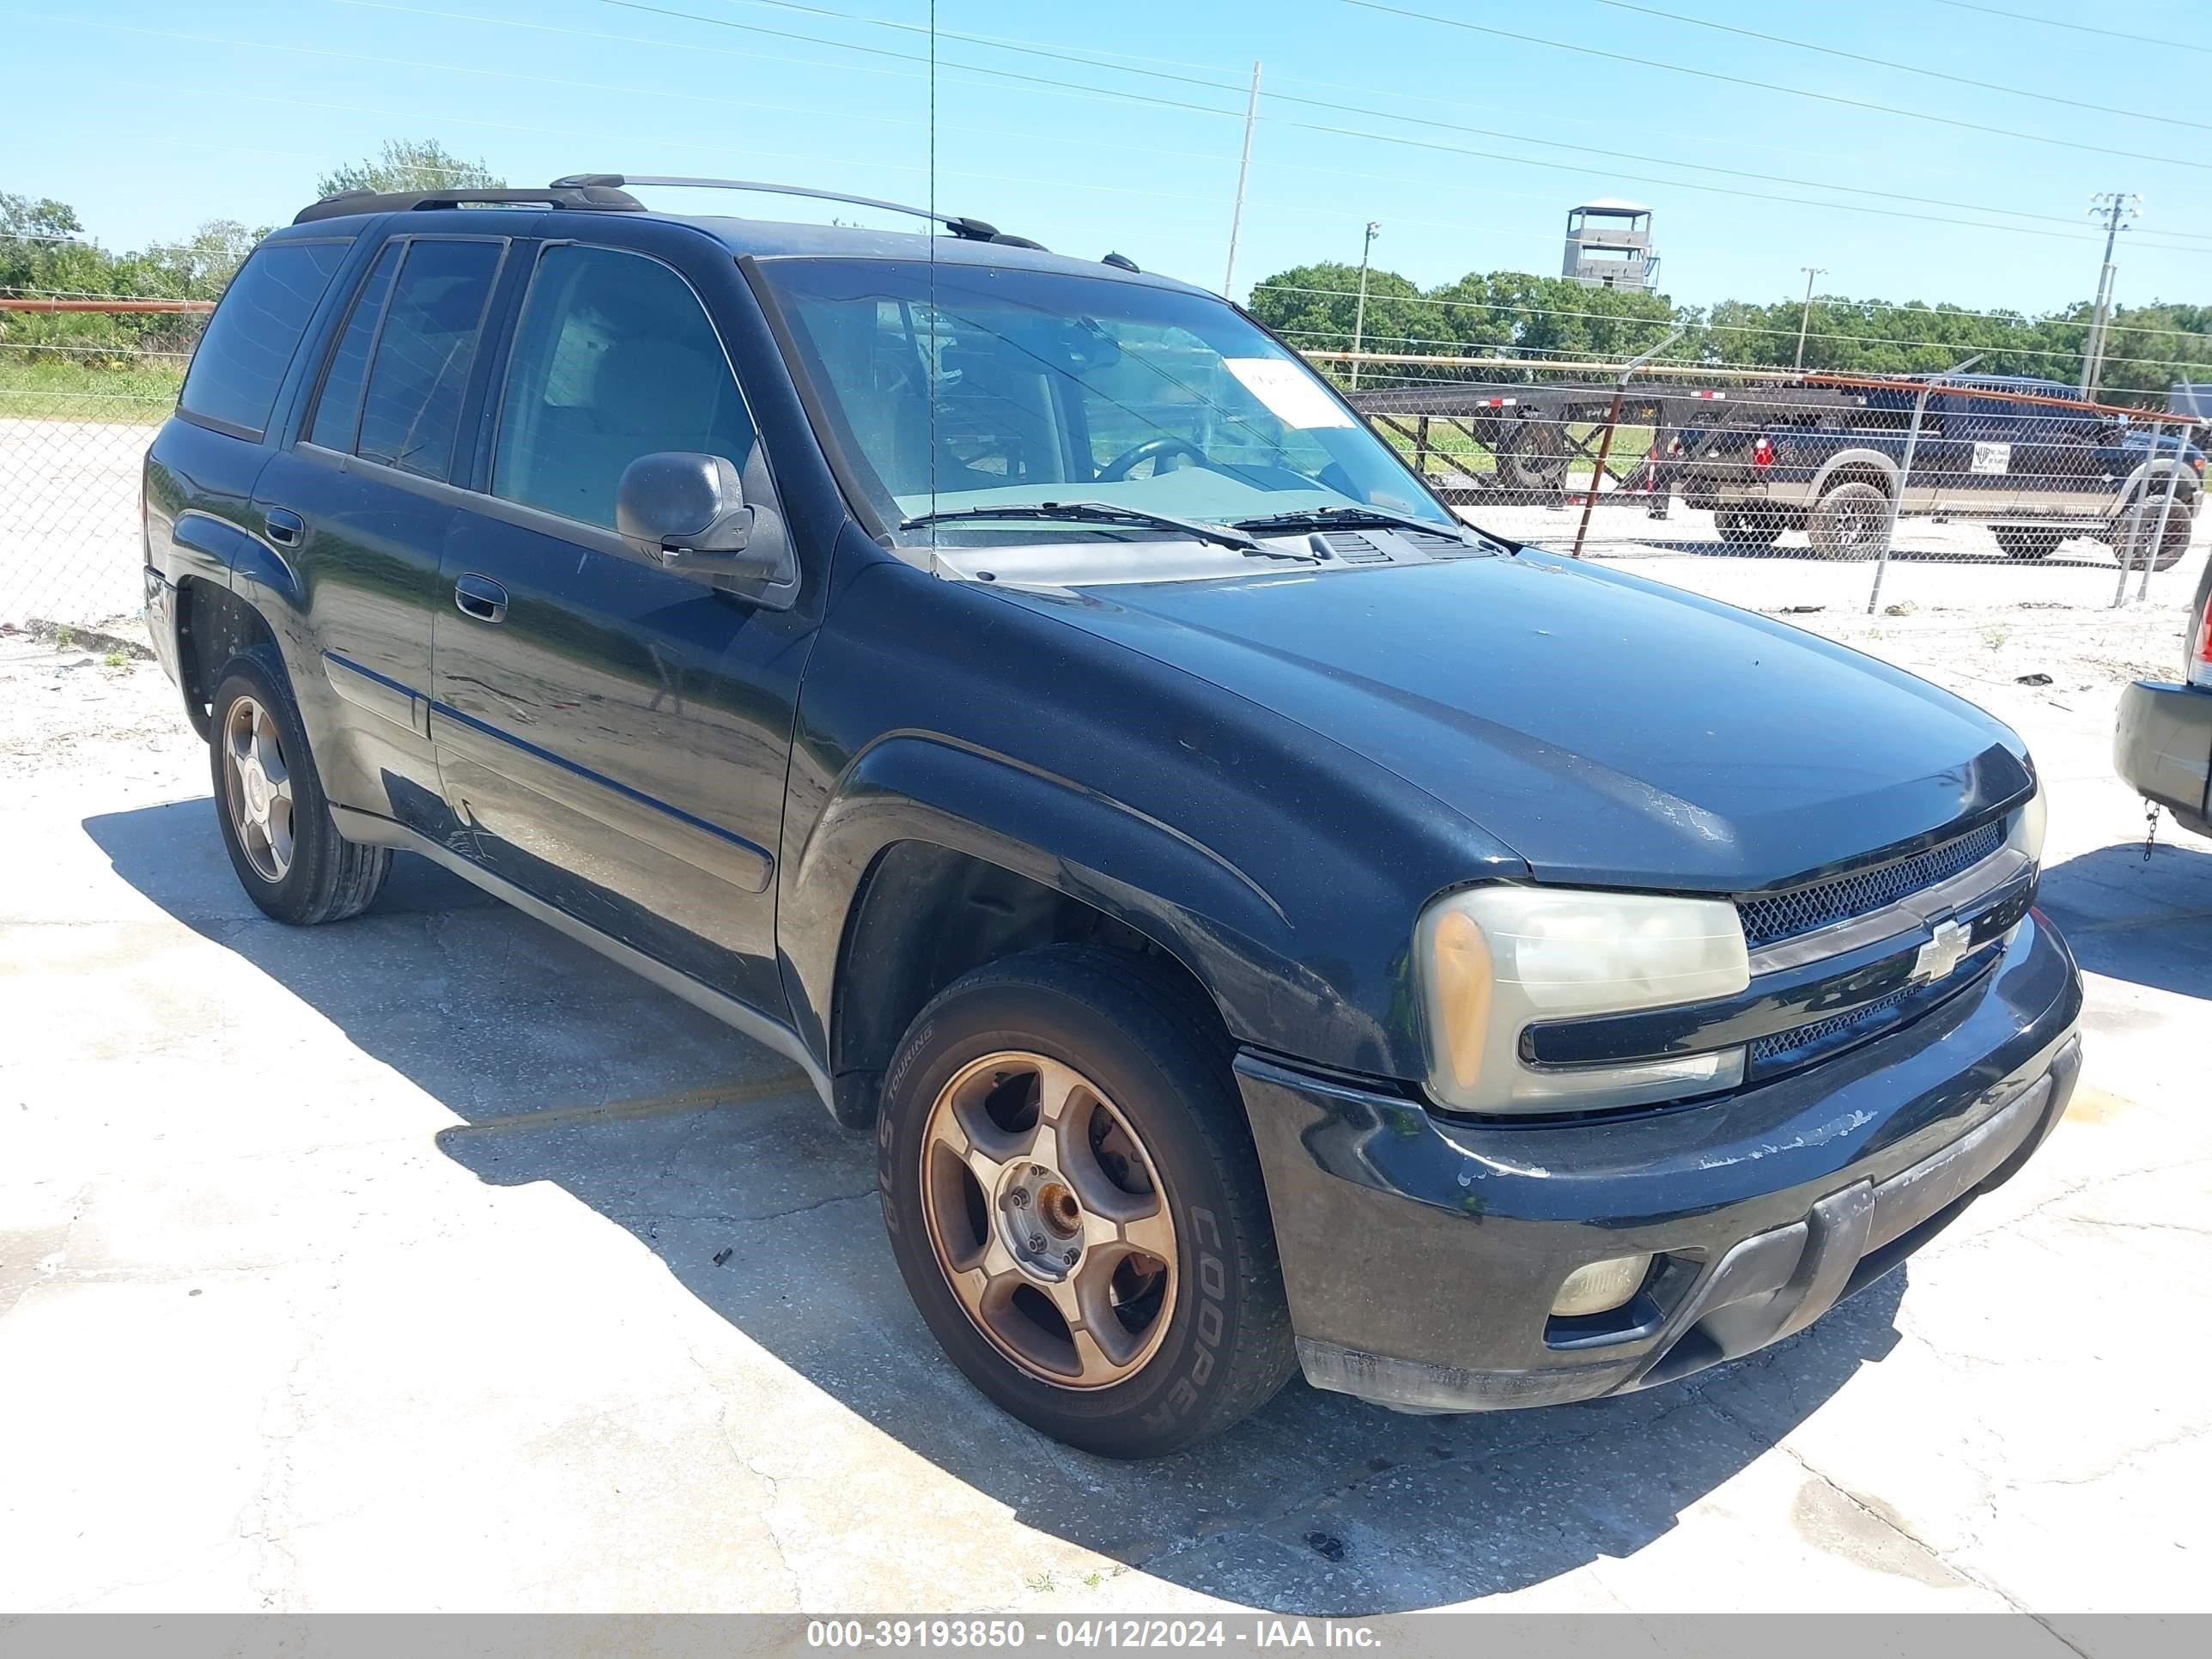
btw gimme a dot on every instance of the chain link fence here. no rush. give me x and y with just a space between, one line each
1786 491
80 401
1779 492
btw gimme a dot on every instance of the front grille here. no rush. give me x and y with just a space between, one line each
1777 916
1807 1036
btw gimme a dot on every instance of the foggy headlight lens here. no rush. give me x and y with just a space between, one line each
2027 825
1494 960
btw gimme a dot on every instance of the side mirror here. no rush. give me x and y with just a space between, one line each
687 513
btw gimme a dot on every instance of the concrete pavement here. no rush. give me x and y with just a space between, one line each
427 1261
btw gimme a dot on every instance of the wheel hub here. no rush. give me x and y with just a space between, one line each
1041 1221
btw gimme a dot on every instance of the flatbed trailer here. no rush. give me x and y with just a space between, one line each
1538 437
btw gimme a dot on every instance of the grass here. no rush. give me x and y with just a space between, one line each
1451 449
53 389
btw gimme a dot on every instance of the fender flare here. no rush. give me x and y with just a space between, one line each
1183 895
1873 459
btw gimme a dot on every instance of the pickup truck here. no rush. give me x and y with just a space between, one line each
1265 924
2036 472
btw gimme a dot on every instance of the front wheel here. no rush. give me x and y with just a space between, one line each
1075 1206
268 802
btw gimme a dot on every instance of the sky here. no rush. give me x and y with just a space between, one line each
1119 127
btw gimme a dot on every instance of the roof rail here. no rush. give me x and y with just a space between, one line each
971 230
563 195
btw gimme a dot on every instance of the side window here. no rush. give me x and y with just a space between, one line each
423 355
338 407
250 340
614 358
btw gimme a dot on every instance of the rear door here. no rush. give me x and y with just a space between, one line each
614 737
367 499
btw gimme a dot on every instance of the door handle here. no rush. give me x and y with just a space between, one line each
285 528
481 597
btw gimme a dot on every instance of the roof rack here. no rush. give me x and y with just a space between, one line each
564 194
971 230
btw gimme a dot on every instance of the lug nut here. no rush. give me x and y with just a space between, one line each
1036 1243
1070 1257
1019 1198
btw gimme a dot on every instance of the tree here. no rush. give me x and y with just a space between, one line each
201 266
411 164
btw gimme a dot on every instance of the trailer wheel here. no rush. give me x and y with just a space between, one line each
1534 456
1849 521
2024 544
1748 526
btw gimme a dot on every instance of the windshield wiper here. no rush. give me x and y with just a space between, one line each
1106 513
1324 518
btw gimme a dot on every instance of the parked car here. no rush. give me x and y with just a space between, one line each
2035 473
2162 744
1265 924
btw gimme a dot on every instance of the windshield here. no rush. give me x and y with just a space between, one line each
1016 388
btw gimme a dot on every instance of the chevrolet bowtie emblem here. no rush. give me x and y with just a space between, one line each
1940 954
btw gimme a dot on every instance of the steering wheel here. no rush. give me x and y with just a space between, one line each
1150 450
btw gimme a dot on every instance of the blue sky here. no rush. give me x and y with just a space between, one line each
155 117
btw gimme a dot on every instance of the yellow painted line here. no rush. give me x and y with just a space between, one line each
669 1105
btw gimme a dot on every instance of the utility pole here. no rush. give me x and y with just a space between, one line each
1244 171
2112 206
1360 313
1805 317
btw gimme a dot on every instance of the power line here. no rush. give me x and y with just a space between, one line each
1906 69
1792 92
1041 49
2166 42
1608 171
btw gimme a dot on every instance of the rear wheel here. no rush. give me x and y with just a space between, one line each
1850 521
1075 1206
2132 537
268 802
1748 526
2027 544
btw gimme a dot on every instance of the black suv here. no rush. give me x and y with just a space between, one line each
1265 923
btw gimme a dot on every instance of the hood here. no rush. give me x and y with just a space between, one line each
1610 730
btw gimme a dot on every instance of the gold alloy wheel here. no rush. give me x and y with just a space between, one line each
1046 1215
257 788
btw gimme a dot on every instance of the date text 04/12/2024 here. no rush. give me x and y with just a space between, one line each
1074 1633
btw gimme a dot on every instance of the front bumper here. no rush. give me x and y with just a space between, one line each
1422 1254
2162 746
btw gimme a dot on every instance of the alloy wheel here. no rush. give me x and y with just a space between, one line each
257 788
1047 1217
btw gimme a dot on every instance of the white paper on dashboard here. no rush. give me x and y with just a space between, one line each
1288 392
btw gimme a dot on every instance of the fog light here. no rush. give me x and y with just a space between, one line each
1601 1287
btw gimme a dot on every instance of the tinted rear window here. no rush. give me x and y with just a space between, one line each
424 355
250 340
338 410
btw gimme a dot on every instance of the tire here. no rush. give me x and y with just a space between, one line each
1186 1329
1849 521
2025 543
1534 457
270 805
1748 526
2181 522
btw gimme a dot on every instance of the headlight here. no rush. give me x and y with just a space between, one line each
1493 960
2027 833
